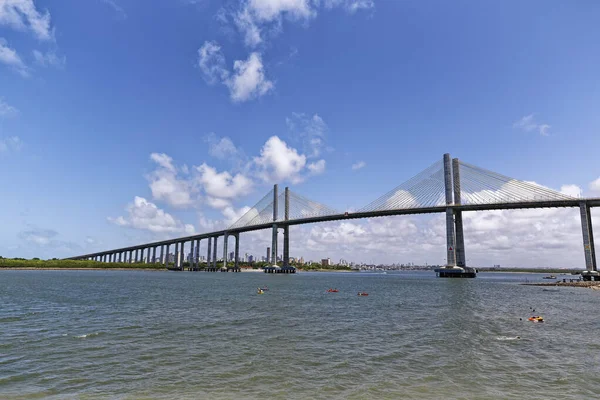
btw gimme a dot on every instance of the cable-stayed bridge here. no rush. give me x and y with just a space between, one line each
448 186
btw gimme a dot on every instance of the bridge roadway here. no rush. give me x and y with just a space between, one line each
592 202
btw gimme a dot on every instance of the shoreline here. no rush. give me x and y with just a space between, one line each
585 284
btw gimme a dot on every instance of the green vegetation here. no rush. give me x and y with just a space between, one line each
7 263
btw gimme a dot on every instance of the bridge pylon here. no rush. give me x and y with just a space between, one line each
455 244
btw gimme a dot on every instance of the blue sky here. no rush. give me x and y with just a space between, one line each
196 108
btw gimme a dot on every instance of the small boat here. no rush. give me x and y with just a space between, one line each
260 291
332 290
264 289
536 318
363 293
549 277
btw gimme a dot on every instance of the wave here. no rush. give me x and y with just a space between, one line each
88 335
508 338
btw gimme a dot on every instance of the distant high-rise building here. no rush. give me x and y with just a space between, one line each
268 254
250 258
326 262
231 256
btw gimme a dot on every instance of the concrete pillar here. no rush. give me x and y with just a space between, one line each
268 255
237 250
450 241
225 239
286 230
208 250
588 237
275 229
192 243
182 255
197 255
214 264
461 258
165 254
153 254
176 261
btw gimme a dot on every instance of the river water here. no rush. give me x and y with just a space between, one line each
185 335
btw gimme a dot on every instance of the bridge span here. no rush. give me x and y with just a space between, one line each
450 186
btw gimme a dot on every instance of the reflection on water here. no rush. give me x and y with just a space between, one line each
99 334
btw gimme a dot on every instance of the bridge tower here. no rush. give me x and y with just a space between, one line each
455 244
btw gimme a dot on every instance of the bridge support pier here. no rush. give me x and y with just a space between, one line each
588 243
236 252
275 229
208 250
286 236
455 246
197 255
225 239
214 264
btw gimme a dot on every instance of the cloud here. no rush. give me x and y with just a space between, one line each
22 15
310 131
49 59
316 168
212 63
46 238
163 160
6 110
246 82
144 215
595 187
278 162
358 165
351 6
222 185
255 15
166 185
9 57
571 190
221 148
119 11
10 144
528 124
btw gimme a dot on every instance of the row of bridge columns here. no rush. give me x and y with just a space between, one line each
137 255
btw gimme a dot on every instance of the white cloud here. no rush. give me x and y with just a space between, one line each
165 184
316 168
529 124
212 63
248 80
222 184
163 160
10 144
6 110
255 15
221 148
22 15
119 11
571 190
142 214
49 59
278 162
595 187
311 131
9 57
358 165
351 6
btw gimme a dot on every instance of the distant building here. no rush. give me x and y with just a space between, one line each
231 256
250 258
326 262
